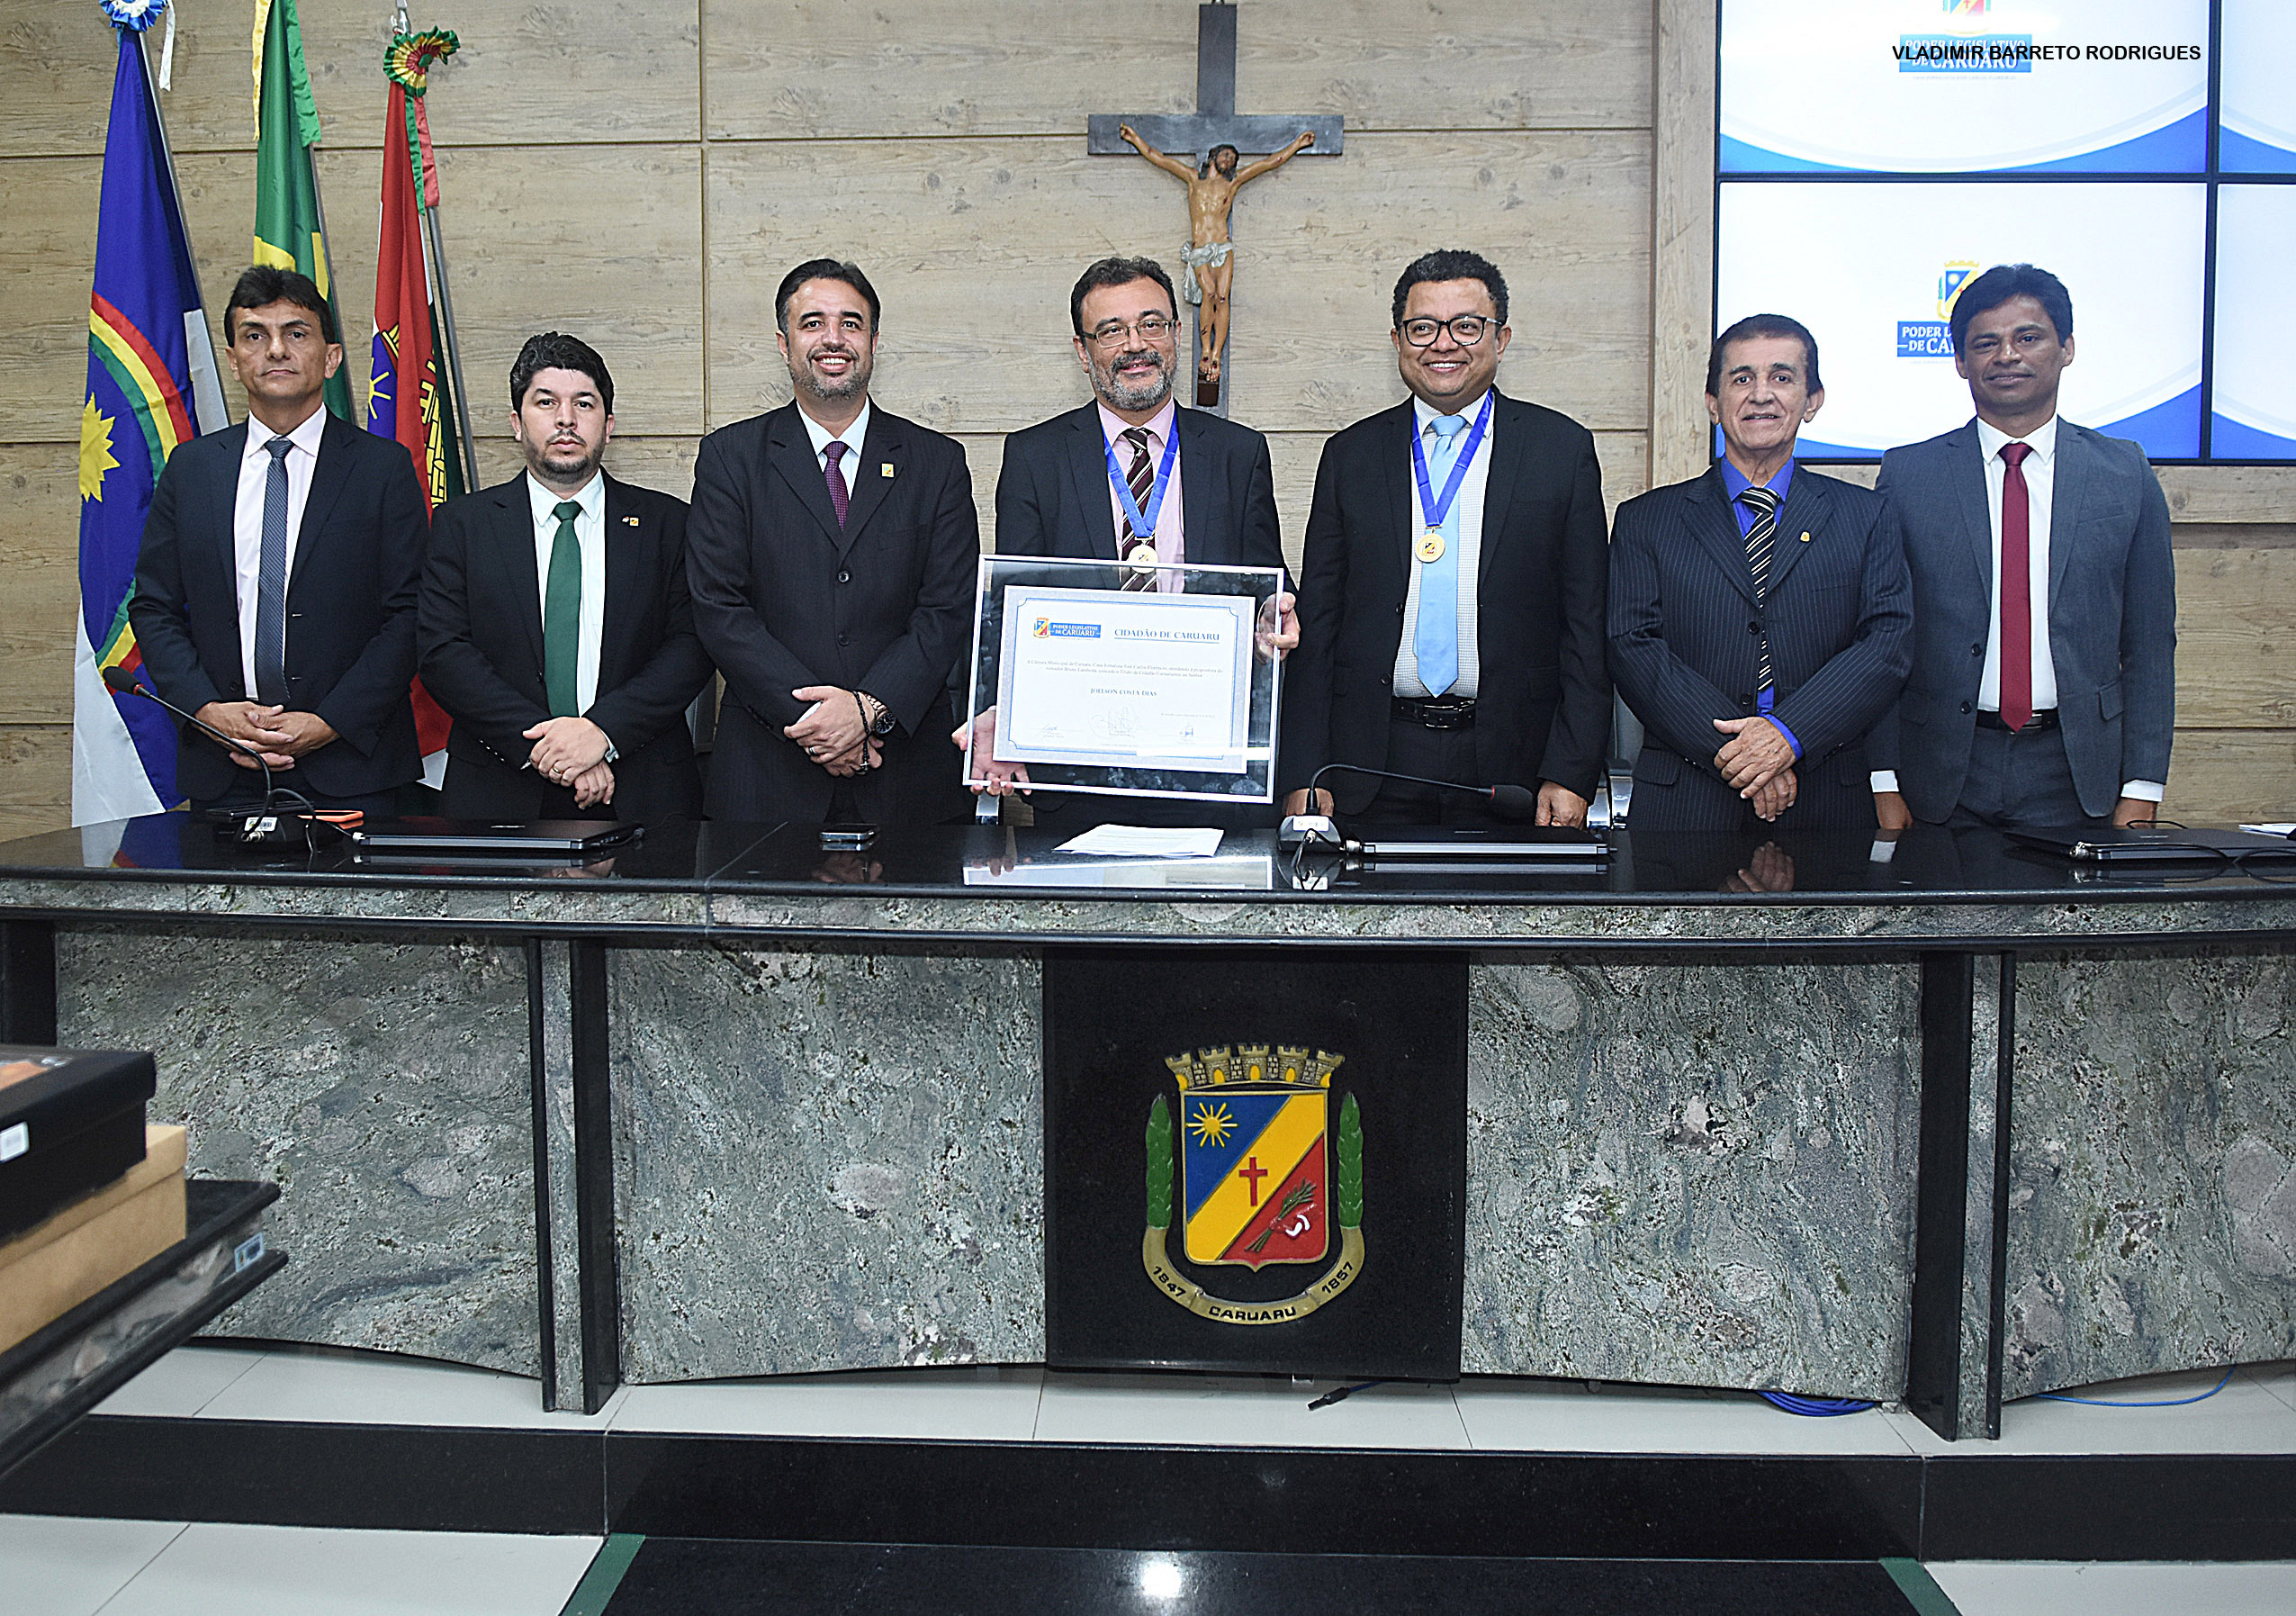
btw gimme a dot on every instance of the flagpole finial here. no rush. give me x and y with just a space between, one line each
409 60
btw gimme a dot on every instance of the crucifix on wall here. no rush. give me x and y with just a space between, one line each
1220 139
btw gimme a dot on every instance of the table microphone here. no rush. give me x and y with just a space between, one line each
1509 802
273 799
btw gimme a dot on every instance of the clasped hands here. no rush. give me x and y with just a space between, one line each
281 735
572 752
832 731
1759 761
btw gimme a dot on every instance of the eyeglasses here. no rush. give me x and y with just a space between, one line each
1466 330
1152 328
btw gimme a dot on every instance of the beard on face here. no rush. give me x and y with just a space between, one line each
1144 394
564 461
854 381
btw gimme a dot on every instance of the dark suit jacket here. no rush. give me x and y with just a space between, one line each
2112 615
350 609
1686 634
1542 711
784 599
480 637
1052 495
1052 499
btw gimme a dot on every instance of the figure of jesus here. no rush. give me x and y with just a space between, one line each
1211 197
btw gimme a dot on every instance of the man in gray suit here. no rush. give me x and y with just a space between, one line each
2044 684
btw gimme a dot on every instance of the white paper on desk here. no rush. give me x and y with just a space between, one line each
2269 830
1142 842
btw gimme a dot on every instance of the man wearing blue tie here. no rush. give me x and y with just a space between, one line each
1451 598
1759 614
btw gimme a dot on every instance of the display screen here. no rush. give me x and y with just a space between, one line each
1873 269
1876 155
1944 87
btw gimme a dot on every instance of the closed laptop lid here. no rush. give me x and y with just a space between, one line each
1550 843
507 838
2151 843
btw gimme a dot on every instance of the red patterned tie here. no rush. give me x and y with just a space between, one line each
2016 590
839 499
1142 475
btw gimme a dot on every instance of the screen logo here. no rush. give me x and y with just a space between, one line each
1933 338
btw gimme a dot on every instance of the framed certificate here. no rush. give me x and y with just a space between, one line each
1152 690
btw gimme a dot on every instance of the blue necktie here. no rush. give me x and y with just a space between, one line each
271 582
1436 641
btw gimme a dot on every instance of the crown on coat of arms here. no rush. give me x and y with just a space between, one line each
1251 1063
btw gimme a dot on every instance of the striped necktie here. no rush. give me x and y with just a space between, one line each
1142 475
1761 537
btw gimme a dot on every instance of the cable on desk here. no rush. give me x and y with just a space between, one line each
2164 1402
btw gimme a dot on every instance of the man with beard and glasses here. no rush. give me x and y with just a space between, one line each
832 551
555 626
1202 484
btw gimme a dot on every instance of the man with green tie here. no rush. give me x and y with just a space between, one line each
555 626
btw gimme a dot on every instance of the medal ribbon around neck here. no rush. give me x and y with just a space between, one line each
1435 509
1144 521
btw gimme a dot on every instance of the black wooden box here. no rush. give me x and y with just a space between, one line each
71 1121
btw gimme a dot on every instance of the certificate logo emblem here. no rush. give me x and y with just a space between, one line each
1040 629
1262 1176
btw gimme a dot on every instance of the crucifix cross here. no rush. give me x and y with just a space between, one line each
1207 274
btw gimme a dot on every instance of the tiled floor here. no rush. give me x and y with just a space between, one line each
55 1567
2255 1414
75 1567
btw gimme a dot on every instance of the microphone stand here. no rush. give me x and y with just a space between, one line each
261 827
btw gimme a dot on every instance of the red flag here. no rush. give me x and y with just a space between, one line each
404 401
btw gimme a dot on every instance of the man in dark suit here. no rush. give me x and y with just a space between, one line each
832 549
1057 495
1451 598
555 625
274 592
1760 621
2043 690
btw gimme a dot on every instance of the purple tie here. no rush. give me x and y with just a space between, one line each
839 499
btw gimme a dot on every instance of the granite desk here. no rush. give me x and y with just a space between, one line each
1957 1126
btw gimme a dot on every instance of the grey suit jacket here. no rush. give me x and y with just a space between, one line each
2112 615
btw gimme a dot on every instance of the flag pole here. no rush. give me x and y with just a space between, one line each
209 410
453 366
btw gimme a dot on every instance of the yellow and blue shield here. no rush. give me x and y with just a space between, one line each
1254 1185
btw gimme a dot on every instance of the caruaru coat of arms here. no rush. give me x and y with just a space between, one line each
1262 1178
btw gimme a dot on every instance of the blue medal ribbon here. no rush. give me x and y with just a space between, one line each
1143 522
1434 510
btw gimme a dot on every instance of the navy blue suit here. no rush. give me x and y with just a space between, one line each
350 650
1686 632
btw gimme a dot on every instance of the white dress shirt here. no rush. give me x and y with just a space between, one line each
589 532
2040 470
246 519
1171 535
1471 548
855 434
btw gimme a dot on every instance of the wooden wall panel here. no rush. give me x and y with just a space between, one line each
804 68
528 74
2236 648
2228 776
951 230
35 777
47 256
39 569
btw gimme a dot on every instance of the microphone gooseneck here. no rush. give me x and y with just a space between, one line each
1508 801
127 684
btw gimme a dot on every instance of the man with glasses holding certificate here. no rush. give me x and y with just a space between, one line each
1134 480
1452 595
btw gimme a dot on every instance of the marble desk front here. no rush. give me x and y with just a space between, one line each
729 1105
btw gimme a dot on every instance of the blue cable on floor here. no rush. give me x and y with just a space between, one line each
1818 1408
2166 1402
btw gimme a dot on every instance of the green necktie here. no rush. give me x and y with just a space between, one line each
562 617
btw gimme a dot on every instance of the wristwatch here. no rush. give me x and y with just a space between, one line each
881 725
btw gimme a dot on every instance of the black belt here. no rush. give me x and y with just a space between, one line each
1436 712
2040 723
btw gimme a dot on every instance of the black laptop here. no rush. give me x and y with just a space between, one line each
2154 845
1544 843
508 839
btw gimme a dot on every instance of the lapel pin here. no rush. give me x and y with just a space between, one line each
884 468
630 522
1805 535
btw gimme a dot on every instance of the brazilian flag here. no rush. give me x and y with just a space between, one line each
290 230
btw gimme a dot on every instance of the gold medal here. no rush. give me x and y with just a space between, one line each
1142 557
1430 545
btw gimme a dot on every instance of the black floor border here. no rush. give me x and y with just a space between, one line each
1046 1494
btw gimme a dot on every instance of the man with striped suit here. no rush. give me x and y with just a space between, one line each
1760 615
